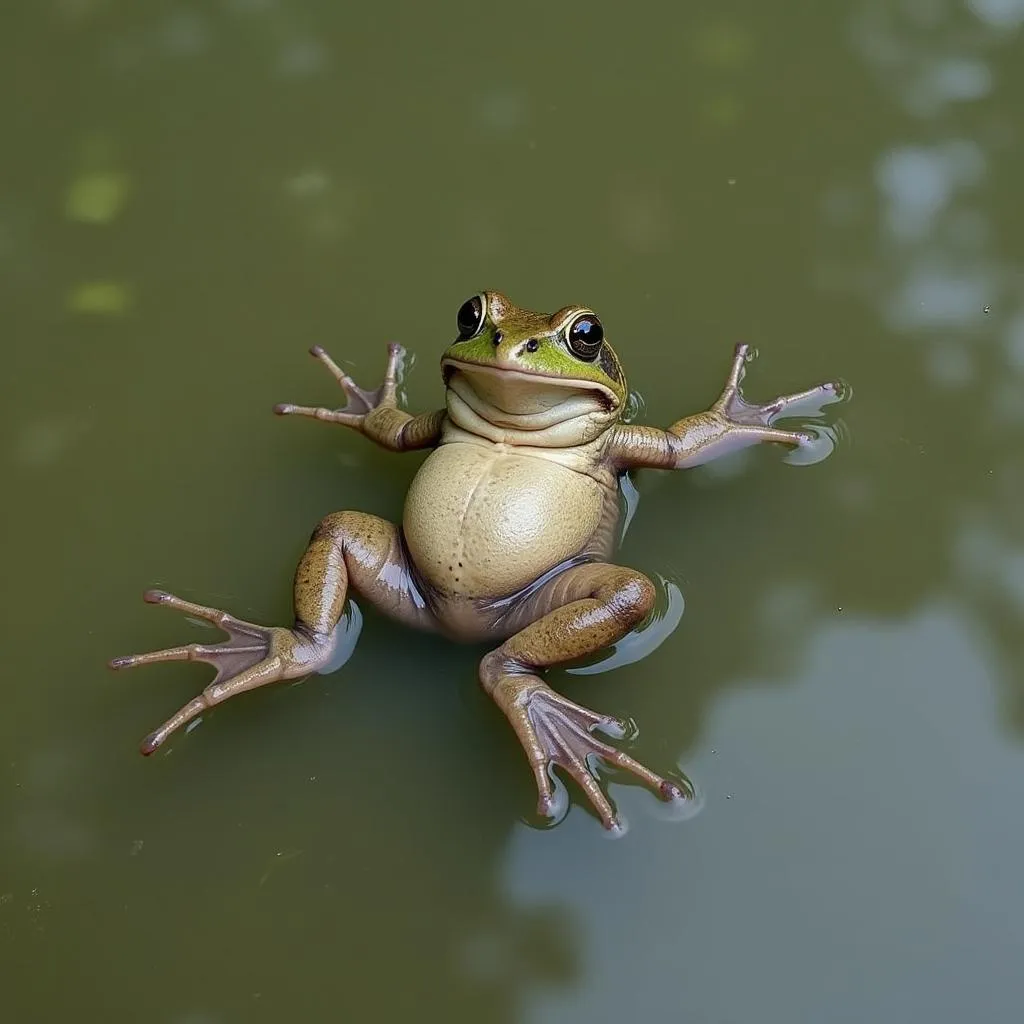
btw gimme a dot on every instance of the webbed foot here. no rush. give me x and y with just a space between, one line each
760 419
555 731
360 403
252 656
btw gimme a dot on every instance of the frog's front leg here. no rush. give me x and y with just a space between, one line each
730 424
373 413
579 612
347 550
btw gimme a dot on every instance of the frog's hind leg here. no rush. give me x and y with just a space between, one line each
347 549
577 613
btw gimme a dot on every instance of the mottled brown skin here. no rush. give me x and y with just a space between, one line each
508 530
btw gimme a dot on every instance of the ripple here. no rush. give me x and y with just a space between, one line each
825 439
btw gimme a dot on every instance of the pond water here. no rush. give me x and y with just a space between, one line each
192 194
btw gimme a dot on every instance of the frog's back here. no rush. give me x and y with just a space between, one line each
483 521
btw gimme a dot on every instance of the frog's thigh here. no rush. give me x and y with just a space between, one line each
366 553
577 613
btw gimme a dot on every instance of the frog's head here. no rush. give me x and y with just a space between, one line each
554 376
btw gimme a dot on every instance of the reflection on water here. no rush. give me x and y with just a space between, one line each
885 733
939 275
193 194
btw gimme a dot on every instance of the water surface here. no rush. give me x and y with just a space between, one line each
192 194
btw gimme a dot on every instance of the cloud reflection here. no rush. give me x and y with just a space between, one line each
935 272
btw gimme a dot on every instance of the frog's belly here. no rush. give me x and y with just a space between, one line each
485 523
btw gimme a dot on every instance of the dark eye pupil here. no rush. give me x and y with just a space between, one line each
585 337
470 317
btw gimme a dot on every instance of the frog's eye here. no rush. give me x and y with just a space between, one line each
584 337
471 317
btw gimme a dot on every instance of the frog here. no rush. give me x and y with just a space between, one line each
508 532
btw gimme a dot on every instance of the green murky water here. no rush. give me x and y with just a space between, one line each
192 194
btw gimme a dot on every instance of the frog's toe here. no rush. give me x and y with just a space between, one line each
810 401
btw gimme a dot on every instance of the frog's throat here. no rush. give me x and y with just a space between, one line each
515 405
522 394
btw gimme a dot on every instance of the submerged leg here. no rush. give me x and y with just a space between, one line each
587 608
346 549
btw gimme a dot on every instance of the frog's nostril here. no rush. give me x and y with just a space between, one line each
497 338
532 345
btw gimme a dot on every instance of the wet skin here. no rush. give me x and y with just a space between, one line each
508 530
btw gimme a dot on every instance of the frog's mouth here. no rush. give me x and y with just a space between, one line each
525 398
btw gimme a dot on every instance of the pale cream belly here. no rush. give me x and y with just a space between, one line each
484 523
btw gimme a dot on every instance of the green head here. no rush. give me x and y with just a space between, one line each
532 371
